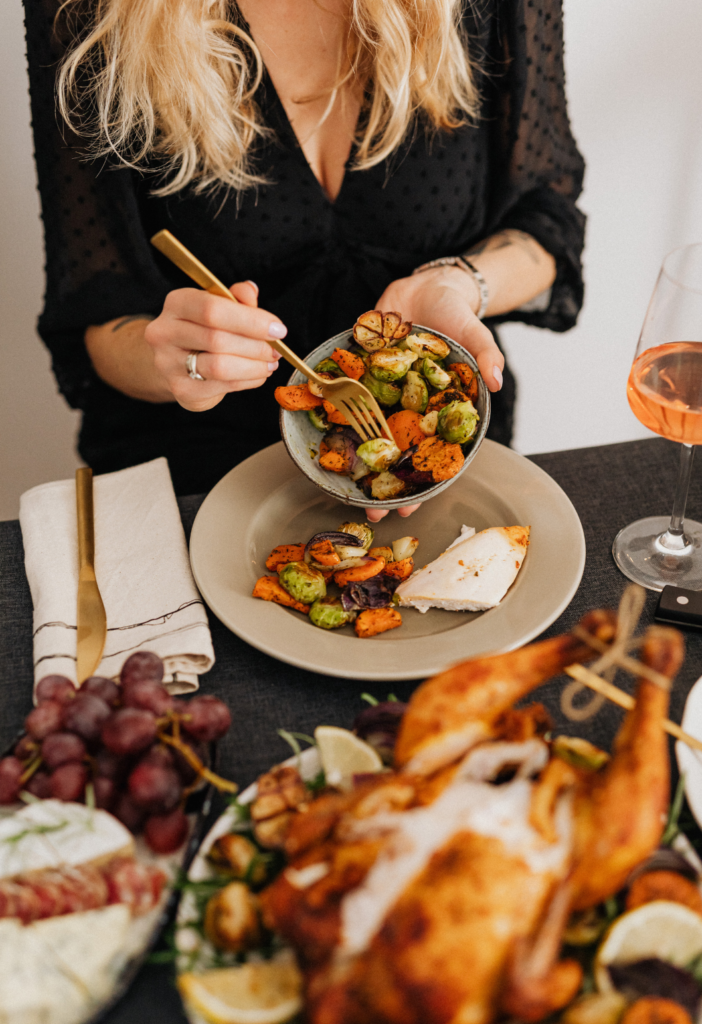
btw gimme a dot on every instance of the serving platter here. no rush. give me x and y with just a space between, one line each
266 501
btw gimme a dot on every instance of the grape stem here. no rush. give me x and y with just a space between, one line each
30 769
223 785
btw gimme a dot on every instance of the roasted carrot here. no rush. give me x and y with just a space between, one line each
360 572
404 426
401 569
269 589
664 885
468 377
333 415
295 397
283 554
655 1010
334 462
352 365
441 459
377 620
443 398
323 552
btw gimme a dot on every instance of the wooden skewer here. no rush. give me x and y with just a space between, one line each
625 700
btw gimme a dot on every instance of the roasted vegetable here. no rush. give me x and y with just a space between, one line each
375 621
387 486
468 378
390 364
344 442
415 393
302 581
384 392
379 454
655 1010
425 344
442 398
665 859
369 567
438 457
316 389
349 541
378 726
283 554
330 366
579 752
335 462
322 554
458 422
598 1008
374 330
405 428
401 569
654 977
232 919
295 397
237 856
351 365
329 613
429 423
268 588
404 547
382 552
664 885
376 592
361 530
437 377
318 419
333 414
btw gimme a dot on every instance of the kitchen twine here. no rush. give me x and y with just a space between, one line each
614 656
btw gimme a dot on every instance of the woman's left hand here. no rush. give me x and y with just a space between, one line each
444 299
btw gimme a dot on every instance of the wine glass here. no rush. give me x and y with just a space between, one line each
665 392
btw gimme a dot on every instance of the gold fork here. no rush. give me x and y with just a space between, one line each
349 397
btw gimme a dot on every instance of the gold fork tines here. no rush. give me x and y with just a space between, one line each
349 397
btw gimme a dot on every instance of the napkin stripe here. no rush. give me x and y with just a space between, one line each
156 620
125 650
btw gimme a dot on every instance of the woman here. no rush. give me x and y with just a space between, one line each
324 151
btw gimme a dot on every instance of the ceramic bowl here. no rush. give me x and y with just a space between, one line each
302 439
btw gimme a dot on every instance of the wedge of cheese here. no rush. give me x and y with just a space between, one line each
473 574
51 833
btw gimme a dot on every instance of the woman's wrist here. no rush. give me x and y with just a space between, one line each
479 291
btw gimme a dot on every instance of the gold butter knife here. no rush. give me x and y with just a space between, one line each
92 622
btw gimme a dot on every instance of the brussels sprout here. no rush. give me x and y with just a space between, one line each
361 530
386 485
415 393
379 454
457 422
429 423
316 389
382 552
329 366
318 419
404 547
391 363
425 344
329 613
302 582
437 377
382 391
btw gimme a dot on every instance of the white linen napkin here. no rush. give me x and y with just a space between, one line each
142 570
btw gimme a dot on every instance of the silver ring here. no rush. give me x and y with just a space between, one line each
191 366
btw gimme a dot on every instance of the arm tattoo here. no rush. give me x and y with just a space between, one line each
503 240
130 319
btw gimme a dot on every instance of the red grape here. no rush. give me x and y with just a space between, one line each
142 665
129 731
105 792
145 693
61 747
207 718
165 833
68 781
57 688
159 755
26 748
10 772
154 788
44 719
40 785
129 813
85 716
110 765
106 689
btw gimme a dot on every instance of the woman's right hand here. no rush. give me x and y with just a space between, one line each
231 341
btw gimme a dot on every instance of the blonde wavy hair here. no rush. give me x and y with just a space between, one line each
175 80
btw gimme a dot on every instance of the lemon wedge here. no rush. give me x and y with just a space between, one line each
663 929
344 755
267 992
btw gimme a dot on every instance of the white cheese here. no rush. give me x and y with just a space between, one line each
49 833
473 574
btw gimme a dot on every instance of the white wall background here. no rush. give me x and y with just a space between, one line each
635 88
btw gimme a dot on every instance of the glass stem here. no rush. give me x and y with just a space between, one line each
673 540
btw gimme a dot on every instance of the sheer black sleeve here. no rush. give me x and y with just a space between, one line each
98 263
538 169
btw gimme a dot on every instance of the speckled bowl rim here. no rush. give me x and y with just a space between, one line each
288 422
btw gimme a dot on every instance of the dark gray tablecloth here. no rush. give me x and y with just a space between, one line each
610 486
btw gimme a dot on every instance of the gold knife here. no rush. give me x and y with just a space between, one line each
92 623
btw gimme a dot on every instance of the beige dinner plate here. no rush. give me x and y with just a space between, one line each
266 501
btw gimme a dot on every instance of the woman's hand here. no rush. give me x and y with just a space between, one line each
444 299
231 342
